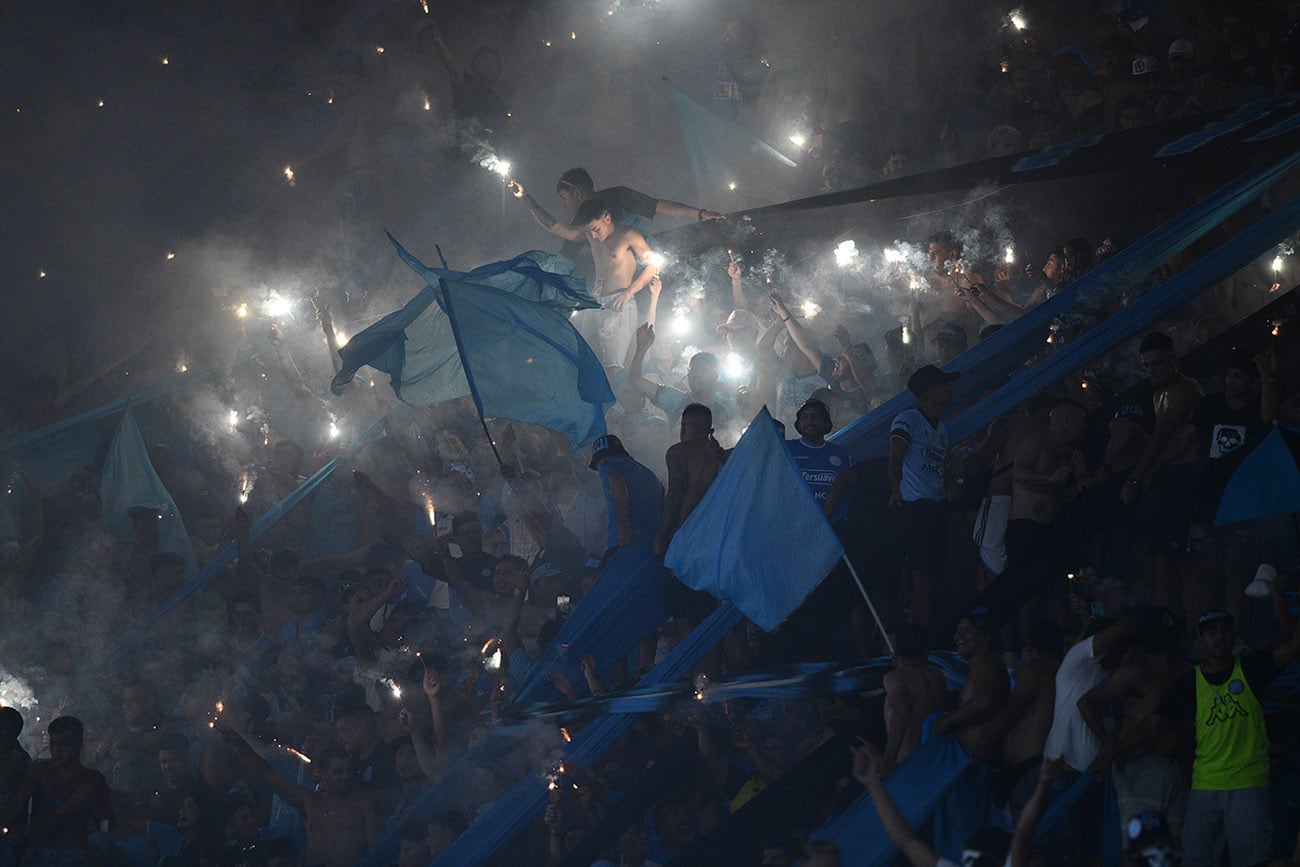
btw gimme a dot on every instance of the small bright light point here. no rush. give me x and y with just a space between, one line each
810 309
546 42
731 185
40 274
681 325
330 101
573 34
656 259
340 338
288 170
242 310
379 49
182 366
1277 264
233 417
170 256
166 60
1018 20
504 169
846 253
428 106
424 4
1010 256
907 335
798 139
334 430
99 104
894 256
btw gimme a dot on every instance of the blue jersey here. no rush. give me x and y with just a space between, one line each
819 466
645 500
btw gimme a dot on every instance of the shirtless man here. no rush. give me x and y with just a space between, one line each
692 465
1043 466
616 251
64 795
1174 398
987 685
913 691
998 452
951 288
342 822
1149 778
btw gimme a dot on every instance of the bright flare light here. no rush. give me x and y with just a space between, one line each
810 309
798 139
246 482
731 185
1018 20
894 256
276 305
288 170
379 49
170 256
906 335
1010 255
734 367
334 430
846 253
1277 264
428 106
340 338
424 4
234 418
681 325
241 311
655 259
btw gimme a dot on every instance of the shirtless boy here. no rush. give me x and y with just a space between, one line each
64 795
1044 464
342 822
692 465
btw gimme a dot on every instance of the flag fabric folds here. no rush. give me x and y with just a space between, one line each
524 358
128 480
758 538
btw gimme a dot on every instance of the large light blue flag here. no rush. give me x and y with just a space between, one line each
524 359
128 480
758 538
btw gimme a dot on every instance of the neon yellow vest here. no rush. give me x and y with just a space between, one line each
1231 744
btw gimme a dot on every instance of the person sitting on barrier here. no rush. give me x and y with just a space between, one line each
914 690
987 685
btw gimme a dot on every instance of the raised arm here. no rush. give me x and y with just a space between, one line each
798 333
293 795
455 70
1023 838
645 338
860 371
542 216
866 770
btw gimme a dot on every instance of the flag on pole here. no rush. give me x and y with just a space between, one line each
525 359
758 538
128 480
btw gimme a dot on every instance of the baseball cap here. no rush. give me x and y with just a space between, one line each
928 377
739 320
608 446
1211 617
1182 48
1145 64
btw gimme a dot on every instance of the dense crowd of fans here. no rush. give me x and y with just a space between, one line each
294 708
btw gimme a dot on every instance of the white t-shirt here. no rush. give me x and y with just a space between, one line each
927 451
1070 737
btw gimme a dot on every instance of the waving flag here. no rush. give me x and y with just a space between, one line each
506 341
758 538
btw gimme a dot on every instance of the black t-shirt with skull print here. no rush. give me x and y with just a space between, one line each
1222 429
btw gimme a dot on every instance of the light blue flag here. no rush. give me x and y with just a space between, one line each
758 538
127 480
525 359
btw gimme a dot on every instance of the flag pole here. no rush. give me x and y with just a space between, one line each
460 349
874 613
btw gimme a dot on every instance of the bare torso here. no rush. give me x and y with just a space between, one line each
336 829
912 692
1025 739
614 261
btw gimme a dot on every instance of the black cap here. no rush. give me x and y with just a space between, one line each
928 377
608 446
